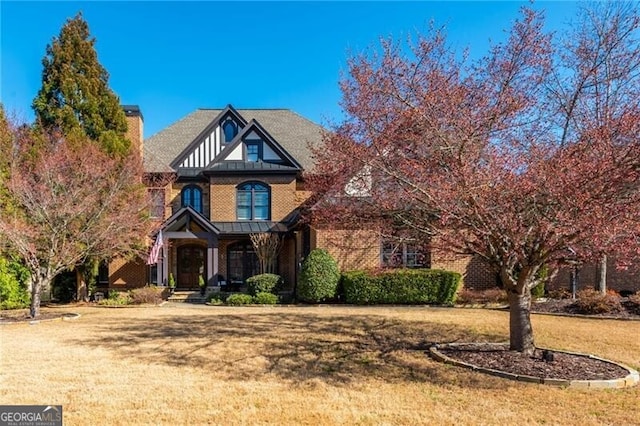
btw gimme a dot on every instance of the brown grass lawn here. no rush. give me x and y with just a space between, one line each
298 365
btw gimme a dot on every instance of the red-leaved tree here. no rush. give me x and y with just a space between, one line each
523 157
70 201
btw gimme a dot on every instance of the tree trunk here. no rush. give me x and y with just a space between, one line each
520 330
81 283
37 284
602 285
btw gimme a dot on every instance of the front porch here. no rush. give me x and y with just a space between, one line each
218 254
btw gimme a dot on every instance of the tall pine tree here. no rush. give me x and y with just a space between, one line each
75 97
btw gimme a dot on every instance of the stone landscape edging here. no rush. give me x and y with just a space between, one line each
631 379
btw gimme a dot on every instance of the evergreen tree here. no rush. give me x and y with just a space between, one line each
75 97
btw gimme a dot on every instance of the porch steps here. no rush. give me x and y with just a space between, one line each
188 297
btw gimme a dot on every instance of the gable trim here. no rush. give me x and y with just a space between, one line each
227 111
254 125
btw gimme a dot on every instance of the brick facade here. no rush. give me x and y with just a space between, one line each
476 273
126 274
589 276
352 249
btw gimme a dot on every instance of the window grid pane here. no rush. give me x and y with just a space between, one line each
252 152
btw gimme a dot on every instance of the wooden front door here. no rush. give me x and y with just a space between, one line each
191 265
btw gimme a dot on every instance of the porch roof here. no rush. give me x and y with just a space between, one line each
239 228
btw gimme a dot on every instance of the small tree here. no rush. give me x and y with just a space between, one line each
267 247
519 157
319 277
69 209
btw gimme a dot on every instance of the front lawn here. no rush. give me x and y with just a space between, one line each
297 365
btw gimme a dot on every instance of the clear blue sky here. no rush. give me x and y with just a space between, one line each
171 58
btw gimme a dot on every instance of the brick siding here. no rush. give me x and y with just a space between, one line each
125 275
352 249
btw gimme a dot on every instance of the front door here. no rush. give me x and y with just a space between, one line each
191 265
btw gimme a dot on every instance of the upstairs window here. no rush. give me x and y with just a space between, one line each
253 201
253 151
192 196
230 130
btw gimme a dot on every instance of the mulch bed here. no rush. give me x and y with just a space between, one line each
22 315
564 366
564 306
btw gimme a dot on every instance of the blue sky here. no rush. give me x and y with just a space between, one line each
171 58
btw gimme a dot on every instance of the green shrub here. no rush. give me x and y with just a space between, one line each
319 277
264 298
239 299
116 298
263 283
538 291
592 302
406 286
148 294
216 298
14 293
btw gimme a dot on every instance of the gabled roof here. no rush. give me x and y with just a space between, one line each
252 126
179 218
292 132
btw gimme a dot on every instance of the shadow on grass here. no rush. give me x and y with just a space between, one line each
298 348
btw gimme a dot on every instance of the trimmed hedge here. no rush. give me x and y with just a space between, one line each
319 277
263 283
239 299
264 298
406 286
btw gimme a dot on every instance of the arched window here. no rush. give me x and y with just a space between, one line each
230 130
253 201
192 196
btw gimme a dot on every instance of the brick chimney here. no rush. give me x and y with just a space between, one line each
134 125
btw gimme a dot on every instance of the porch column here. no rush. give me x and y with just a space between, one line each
210 265
165 265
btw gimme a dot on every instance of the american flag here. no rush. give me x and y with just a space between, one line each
155 250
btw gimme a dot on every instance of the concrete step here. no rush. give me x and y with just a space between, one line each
188 297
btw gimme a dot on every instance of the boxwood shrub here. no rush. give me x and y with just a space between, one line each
405 286
238 299
264 298
263 283
319 277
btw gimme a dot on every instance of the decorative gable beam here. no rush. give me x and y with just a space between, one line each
208 144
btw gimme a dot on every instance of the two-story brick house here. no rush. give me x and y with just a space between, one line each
236 173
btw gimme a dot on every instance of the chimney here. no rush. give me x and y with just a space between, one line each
134 126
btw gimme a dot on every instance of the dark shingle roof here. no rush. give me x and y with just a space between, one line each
292 131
